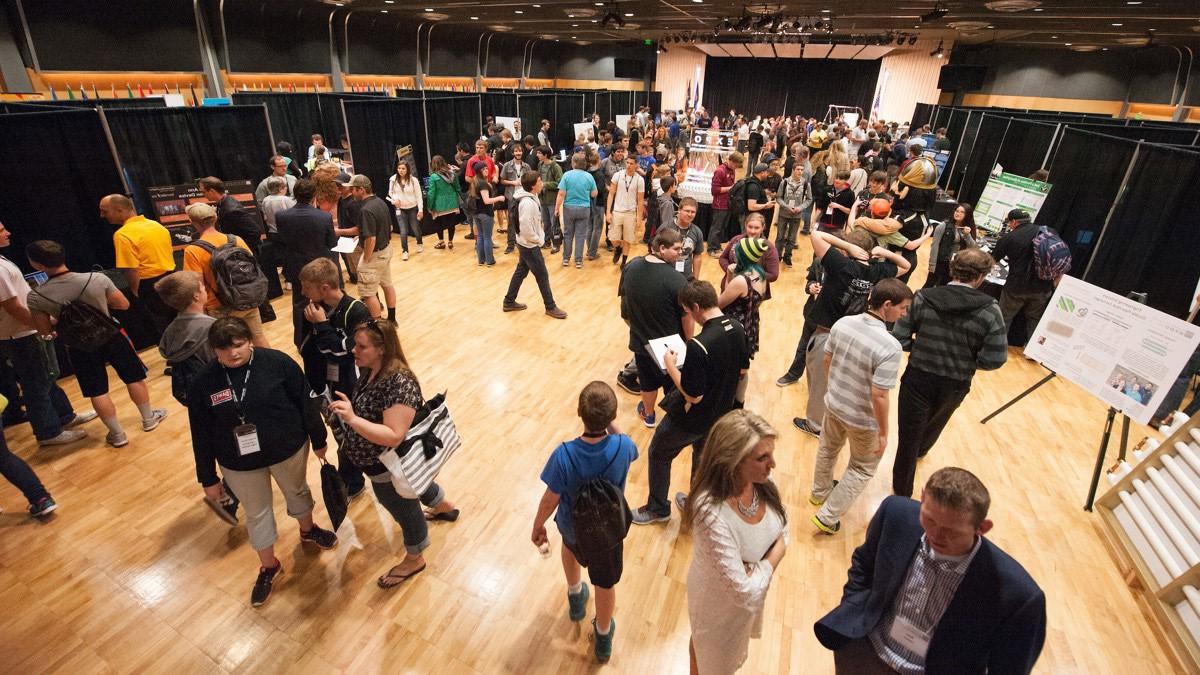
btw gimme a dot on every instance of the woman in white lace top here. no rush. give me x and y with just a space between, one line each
739 536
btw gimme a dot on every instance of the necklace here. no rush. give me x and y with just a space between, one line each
748 511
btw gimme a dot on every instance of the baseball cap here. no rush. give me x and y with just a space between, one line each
761 167
200 211
1018 214
357 181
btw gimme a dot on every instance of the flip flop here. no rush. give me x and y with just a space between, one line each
384 582
448 516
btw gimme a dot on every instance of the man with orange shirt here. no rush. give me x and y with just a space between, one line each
199 260
143 253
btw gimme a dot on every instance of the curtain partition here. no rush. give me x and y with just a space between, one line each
655 102
535 108
922 115
499 104
568 111
621 103
452 120
173 146
604 107
987 146
294 118
378 127
54 191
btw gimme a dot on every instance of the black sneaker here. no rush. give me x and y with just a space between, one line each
264 583
608 245
509 249
470 235
43 507
616 255
786 381
806 426
324 539
628 382
225 508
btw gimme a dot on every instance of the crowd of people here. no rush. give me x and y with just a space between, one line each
861 194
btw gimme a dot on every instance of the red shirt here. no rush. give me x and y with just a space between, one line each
722 177
491 166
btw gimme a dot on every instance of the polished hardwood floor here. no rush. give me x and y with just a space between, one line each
133 573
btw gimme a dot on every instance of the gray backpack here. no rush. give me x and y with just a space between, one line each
240 283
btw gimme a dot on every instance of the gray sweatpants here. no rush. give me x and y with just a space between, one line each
817 378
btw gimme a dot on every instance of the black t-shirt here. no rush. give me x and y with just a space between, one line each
376 222
715 359
650 301
837 219
846 286
1017 247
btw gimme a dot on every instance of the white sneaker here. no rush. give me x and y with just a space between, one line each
404 256
67 436
116 439
156 418
420 248
81 418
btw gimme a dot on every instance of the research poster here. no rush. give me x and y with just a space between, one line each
1121 351
584 130
1004 193
513 124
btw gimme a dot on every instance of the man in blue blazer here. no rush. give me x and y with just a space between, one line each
305 233
927 593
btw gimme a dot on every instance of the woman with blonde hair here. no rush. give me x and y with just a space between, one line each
739 537
386 400
838 159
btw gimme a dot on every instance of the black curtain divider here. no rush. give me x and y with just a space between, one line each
1150 134
294 118
922 115
11 107
499 104
789 86
378 127
568 111
589 103
640 98
66 167
604 107
409 93
961 159
620 103
1026 146
148 102
452 121
655 102
1151 240
941 117
173 146
1086 173
535 108
987 146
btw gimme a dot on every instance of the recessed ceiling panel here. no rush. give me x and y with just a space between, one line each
762 51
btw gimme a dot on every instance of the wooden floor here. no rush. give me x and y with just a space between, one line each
134 574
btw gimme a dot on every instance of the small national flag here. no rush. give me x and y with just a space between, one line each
70 93
141 92
195 98
113 86
95 92
293 87
178 89
53 94
149 88
82 92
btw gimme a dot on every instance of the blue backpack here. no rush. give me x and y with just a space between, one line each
1051 255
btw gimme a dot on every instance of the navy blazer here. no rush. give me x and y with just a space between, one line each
306 233
996 622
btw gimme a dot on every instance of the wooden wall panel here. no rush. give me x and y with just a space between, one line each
676 68
911 77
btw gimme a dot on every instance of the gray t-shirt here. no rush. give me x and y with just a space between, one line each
58 291
693 243
376 221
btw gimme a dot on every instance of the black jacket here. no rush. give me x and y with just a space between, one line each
276 402
306 233
1017 247
332 342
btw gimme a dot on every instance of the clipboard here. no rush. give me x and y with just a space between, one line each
658 348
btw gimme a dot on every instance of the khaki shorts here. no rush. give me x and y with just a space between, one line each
623 226
375 273
250 316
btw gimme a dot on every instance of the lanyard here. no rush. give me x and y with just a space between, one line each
238 398
629 182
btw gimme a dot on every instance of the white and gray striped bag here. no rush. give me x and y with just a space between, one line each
427 446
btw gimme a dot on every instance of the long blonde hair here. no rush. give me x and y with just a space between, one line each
730 441
838 158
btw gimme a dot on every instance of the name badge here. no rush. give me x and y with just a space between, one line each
829 210
220 397
679 266
910 637
331 372
247 439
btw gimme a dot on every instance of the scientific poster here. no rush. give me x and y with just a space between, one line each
513 124
583 129
1123 352
1004 193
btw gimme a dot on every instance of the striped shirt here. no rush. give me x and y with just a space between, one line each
929 586
952 331
864 355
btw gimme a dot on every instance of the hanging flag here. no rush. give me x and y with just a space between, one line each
178 89
140 92
53 94
129 90
877 102
150 89
70 93
293 87
95 92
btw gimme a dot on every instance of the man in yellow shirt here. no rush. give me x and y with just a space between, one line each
197 259
143 252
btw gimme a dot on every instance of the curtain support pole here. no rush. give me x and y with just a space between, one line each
1112 209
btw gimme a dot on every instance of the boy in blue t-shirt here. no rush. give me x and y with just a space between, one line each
600 451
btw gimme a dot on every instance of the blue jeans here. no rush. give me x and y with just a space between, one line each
406 512
483 239
45 403
577 221
16 471
407 218
597 230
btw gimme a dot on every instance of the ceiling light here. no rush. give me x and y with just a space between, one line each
389 2
1037 9
1012 5
384 11
518 11
824 11
628 13
474 18
1067 43
1133 3
428 9
1118 24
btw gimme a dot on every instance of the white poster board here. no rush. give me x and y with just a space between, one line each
1123 352
623 124
582 129
510 123
1004 193
707 148
851 119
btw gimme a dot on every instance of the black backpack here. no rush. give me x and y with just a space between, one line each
600 514
183 373
822 191
82 326
240 284
737 199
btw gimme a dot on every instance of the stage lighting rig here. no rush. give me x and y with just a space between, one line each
936 14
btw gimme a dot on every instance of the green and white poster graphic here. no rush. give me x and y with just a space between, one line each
1004 193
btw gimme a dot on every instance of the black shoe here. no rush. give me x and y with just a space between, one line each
608 245
787 261
509 249
470 235
806 426
324 539
628 382
44 507
616 256
225 508
264 583
514 306
787 380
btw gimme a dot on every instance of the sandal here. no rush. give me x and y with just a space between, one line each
391 580
450 245
448 516
440 245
